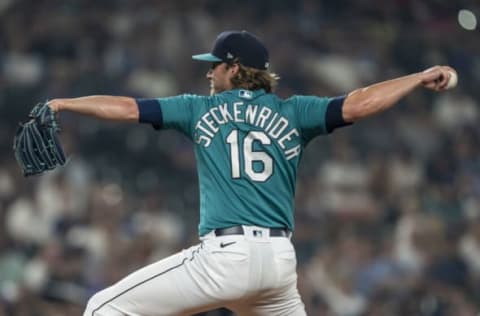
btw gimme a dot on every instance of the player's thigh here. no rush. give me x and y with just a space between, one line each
166 287
288 304
282 301
281 297
292 306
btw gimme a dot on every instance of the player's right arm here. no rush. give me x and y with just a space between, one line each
376 98
115 108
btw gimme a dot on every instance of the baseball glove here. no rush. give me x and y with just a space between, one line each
36 144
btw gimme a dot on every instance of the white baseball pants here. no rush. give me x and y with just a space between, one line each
250 274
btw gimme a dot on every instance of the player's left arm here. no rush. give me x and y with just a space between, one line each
106 107
368 101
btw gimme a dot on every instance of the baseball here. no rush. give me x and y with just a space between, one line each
452 81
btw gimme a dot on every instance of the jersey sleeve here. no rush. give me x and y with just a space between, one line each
177 112
318 115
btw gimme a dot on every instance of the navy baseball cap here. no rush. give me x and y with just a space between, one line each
243 45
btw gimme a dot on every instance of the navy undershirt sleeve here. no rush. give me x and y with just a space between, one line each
150 112
334 115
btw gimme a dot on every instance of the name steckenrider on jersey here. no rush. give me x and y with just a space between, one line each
318 115
273 124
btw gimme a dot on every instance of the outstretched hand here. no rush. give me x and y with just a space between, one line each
436 78
54 105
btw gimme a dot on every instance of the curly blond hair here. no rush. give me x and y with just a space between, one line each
254 79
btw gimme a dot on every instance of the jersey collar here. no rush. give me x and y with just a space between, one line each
246 94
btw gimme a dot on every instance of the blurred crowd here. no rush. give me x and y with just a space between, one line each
387 210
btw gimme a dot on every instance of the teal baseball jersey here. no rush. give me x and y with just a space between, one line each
248 145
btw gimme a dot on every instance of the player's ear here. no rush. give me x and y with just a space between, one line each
233 69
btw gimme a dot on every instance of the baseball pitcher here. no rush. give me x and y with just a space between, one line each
248 144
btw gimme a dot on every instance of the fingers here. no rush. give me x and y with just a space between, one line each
436 78
54 105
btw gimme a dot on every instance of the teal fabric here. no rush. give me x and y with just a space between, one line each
206 57
248 145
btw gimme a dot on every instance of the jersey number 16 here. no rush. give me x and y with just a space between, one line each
249 155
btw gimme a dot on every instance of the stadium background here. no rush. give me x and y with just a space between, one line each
387 212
